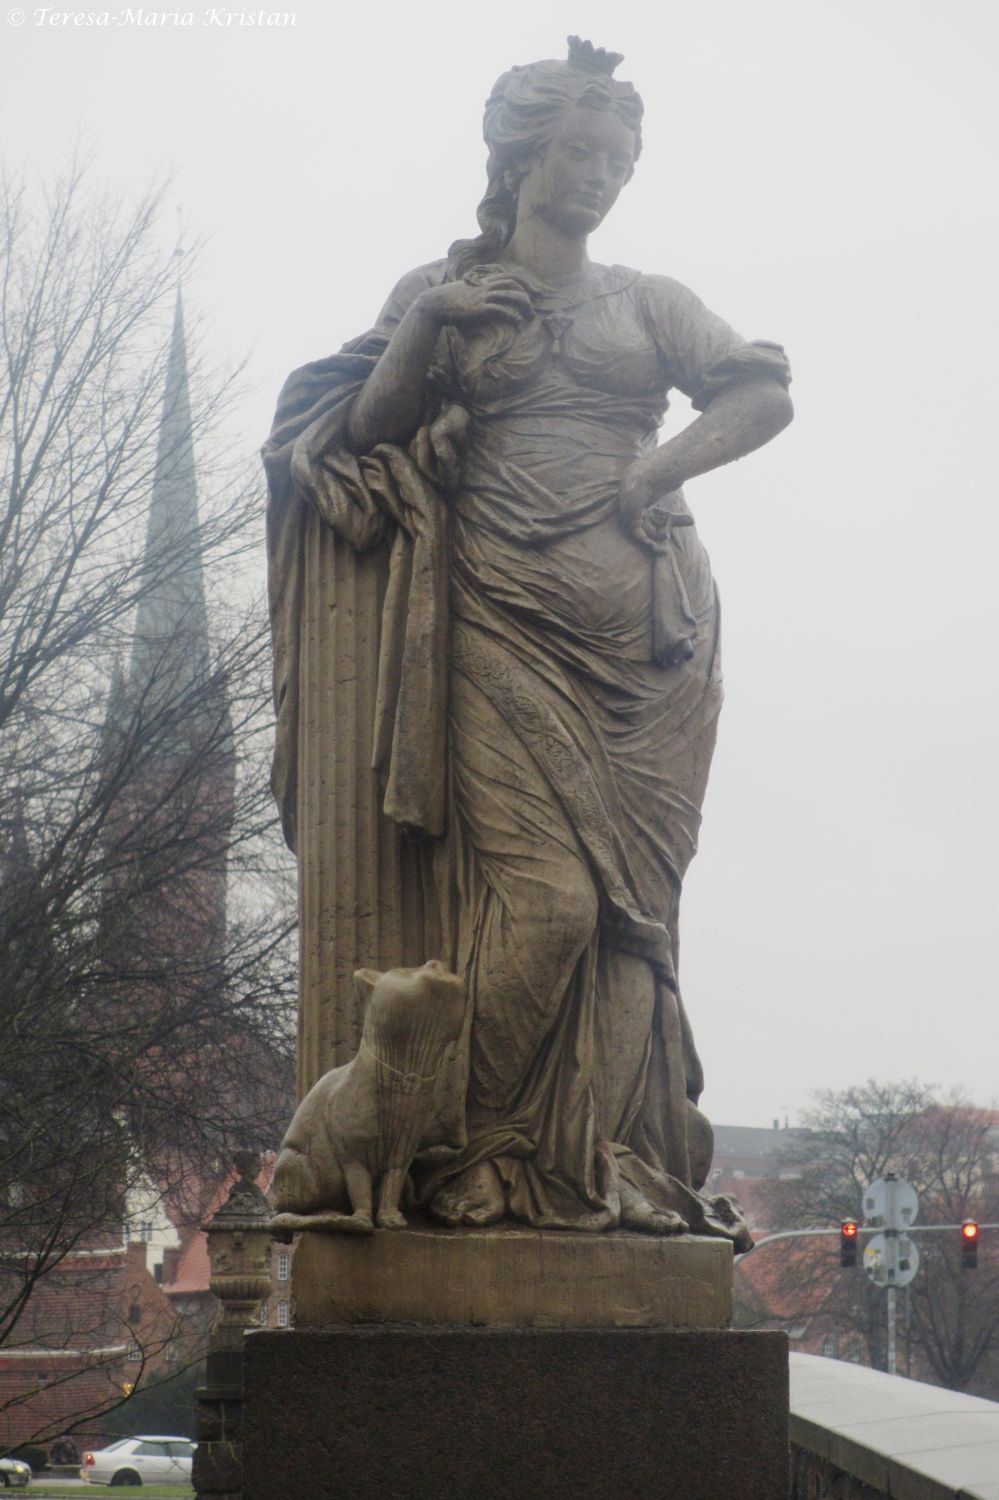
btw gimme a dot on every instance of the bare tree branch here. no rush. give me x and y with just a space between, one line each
145 1018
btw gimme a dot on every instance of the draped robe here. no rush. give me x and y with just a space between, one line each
539 728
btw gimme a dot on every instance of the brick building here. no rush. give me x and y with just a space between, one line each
95 1324
746 1156
747 1159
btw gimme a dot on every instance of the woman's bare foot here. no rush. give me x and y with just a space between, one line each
474 1197
638 1213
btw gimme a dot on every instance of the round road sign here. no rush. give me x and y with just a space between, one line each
890 1203
891 1259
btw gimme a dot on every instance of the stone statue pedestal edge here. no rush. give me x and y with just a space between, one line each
511 1277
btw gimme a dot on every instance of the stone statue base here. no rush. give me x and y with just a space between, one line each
365 1413
519 1278
511 1364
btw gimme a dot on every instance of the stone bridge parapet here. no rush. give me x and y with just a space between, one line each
859 1435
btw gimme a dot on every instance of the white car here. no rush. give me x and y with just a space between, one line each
140 1460
14 1473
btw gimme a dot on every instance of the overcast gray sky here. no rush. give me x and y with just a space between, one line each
822 174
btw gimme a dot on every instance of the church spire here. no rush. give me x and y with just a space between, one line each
170 648
177 802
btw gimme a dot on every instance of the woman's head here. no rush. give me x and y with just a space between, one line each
532 107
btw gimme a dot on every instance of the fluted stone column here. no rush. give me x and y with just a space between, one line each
360 883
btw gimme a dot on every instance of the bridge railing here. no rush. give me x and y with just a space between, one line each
857 1434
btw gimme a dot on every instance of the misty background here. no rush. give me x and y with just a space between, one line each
821 174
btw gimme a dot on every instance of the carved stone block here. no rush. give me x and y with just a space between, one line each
514 1278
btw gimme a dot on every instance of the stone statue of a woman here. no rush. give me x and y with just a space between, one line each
497 669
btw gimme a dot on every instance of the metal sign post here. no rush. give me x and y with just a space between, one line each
891 1259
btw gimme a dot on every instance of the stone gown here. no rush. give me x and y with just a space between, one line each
548 694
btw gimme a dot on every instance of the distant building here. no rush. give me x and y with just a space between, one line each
94 1324
745 1156
148 1223
747 1159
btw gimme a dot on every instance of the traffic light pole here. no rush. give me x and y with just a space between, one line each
795 1234
891 1293
893 1204
788 1234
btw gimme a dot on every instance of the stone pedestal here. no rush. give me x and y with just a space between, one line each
514 1365
395 1413
511 1278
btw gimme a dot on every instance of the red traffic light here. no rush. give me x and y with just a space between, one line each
848 1243
969 1245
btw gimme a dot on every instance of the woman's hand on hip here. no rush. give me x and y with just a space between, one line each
638 491
644 503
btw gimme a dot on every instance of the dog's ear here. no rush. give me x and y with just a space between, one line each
364 982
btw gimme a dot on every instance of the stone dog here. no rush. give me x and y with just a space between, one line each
361 1125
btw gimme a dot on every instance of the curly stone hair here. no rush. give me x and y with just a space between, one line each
522 115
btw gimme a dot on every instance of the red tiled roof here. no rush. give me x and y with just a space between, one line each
193 1270
790 1279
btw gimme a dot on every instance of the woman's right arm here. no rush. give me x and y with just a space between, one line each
390 407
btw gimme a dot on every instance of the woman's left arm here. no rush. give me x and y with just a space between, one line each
741 417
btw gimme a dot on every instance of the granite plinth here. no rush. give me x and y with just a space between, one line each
390 1413
522 1278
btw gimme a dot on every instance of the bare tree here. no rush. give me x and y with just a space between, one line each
144 1019
947 1148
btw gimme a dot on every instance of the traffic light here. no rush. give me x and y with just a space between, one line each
969 1244
848 1242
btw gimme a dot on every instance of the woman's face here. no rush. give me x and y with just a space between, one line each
575 181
